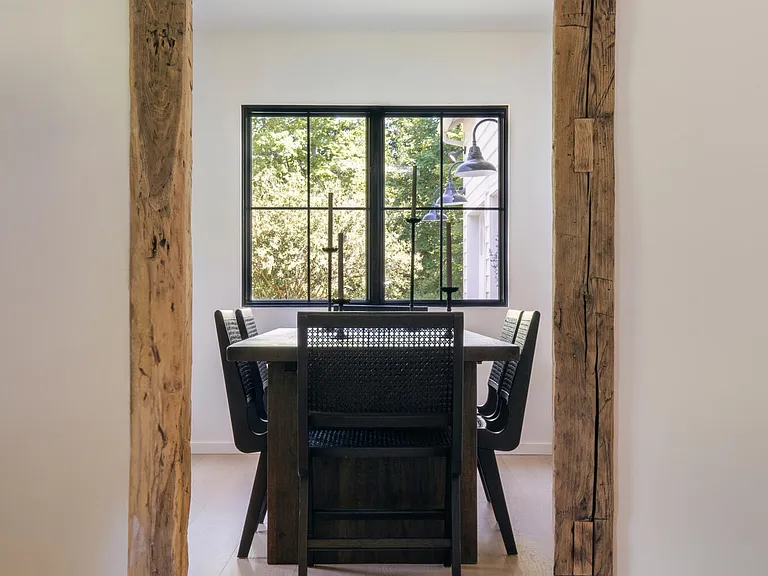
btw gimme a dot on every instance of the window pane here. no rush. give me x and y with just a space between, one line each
454 143
352 223
456 218
410 141
338 160
478 240
397 257
278 161
480 190
279 254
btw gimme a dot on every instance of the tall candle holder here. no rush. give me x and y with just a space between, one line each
330 251
412 221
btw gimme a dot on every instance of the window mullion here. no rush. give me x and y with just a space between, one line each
309 213
376 161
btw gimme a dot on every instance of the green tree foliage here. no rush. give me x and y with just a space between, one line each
283 176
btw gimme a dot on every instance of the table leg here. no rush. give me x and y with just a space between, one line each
282 471
469 467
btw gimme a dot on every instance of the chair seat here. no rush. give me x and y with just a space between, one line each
379 438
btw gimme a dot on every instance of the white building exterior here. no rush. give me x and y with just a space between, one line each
481 227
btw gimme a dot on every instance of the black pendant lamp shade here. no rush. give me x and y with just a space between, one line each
435 214
453 196
475 165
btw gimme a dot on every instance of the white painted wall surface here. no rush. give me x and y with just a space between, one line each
235 68
64 344
692 280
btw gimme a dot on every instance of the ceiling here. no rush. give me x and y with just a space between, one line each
371 15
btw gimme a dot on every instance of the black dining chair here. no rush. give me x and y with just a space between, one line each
491 405
249 425
379 385
508 333
247 324
502 429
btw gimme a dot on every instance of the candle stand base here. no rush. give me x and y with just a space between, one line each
449 292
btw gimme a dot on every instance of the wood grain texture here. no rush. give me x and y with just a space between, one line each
469 467
603 548
584 146
281 345
282 466
582 548
583 348
160 285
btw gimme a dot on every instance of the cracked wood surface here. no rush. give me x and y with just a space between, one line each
160 285
583 172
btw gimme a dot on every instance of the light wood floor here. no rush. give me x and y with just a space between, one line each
221 486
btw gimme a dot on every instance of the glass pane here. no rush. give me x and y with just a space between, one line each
279 254
478 240
278 161
410 141
352 223
478 190
338 160
397 257
456 241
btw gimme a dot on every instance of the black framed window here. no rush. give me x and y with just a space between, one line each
294 157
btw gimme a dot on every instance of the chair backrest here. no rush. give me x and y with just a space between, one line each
244 391
513 390
380 370
247 324
508 333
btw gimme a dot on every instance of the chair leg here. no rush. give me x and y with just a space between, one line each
448 509
310 514
455 526
487 458
303 524
482 481
263 512
255 505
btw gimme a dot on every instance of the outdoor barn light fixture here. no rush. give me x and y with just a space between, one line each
450 194
475 164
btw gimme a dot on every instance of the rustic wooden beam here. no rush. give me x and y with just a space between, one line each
160 285
583 541
583 199
584 145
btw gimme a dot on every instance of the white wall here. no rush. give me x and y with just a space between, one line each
692 280
64 363
235 68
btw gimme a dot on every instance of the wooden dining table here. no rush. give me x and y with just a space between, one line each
368 483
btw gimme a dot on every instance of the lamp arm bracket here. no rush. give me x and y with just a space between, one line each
474 131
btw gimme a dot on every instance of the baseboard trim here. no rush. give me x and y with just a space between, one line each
213 448
532 449
525 449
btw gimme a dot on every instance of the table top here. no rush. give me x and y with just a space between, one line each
281 345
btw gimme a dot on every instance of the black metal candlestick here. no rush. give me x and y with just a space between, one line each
413 222
449 291
330 250
340 303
